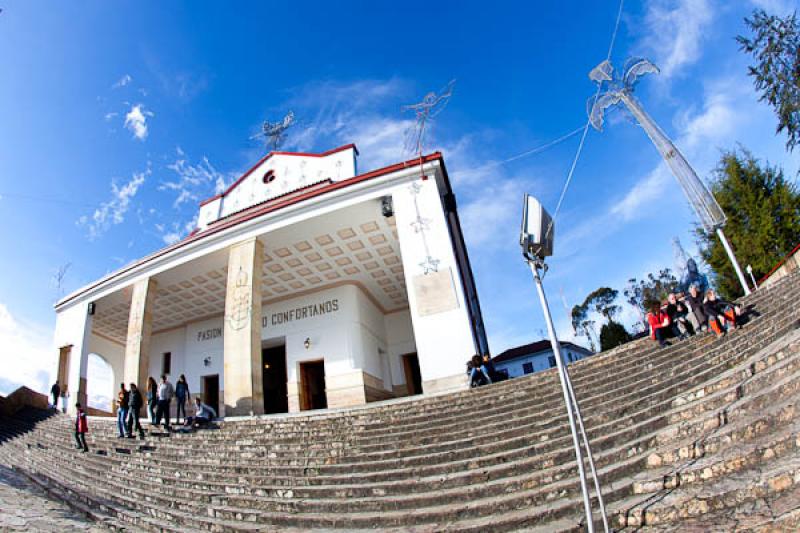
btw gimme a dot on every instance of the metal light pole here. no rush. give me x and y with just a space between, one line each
750 271
621 90
536 241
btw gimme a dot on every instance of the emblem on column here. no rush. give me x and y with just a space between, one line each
240 311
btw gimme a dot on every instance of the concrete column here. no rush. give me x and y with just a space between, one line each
140 326
73 330
243 387
439 315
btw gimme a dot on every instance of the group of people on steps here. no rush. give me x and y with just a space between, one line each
688 314
159 397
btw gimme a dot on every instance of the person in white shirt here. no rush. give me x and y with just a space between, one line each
203 414
165 393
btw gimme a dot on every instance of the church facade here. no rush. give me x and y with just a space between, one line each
305 285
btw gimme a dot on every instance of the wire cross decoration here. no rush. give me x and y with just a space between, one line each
274 132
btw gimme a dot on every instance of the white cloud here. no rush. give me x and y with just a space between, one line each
27 357
136 121
492 219
109 116
675 31
113 211
171 237
123 81
194 181
700 135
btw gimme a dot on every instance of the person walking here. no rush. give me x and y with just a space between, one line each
64 401
134 405
165 393
152 398
123 397
55 392
182 394
81 428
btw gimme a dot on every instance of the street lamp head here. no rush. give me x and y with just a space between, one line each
536 233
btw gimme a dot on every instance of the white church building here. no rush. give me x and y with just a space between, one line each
305 285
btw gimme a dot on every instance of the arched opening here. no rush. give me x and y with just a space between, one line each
99 383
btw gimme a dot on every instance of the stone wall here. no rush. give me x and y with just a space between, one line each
22 397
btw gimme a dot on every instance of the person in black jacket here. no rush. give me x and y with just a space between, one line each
55 391
134 405
721 314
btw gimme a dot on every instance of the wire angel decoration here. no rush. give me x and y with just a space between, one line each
431 105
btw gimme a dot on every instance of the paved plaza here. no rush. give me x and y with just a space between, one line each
25 507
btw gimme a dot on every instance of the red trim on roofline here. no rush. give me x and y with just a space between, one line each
209 200
263 159
262 210
780 264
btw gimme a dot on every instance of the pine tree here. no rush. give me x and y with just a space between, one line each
763 212
775 46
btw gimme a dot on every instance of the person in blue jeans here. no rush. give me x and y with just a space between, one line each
182 394
123 401
477 371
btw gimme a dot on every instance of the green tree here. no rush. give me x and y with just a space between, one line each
602 301
582 324
763 212
775 46
654 288
613 334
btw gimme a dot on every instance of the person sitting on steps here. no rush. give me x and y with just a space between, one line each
478 373
489 366
694 303
677 311
203 416
721 314
659 324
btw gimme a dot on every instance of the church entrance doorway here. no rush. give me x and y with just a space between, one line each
312 385
273 372
211 391
413 376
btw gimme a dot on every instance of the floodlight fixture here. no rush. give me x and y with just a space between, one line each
536 233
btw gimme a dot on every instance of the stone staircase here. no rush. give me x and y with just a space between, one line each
699 436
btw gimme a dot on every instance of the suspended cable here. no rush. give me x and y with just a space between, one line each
586 126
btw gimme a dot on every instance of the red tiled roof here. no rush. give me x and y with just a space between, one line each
260 209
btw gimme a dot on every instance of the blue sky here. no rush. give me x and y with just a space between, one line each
116 118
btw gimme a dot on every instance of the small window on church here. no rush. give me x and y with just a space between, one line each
269 177
527 368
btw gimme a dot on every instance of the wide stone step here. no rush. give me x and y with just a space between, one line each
732 491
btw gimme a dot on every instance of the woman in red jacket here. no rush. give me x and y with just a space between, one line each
659 324
81 428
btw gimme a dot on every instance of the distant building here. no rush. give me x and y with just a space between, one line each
535 357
